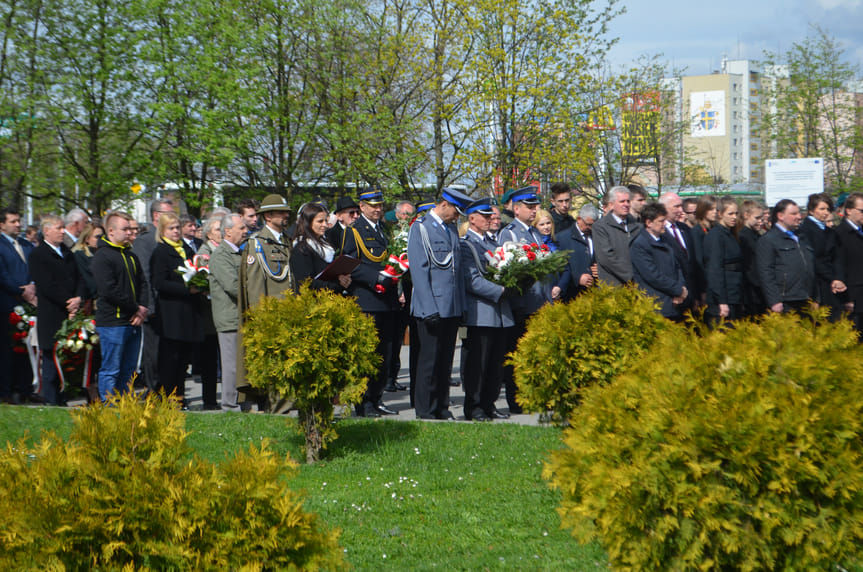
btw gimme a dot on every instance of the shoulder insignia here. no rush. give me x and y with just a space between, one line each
251 259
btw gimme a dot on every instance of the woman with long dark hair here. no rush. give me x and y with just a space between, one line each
829 274
311 251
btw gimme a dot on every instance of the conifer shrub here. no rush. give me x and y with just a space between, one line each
739 450
313 348
585 342
124 493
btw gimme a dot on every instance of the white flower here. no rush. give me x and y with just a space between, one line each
94 338
78 345
18 310
70 343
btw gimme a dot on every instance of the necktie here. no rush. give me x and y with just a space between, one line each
678 236
19 250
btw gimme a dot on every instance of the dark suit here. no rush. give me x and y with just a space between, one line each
580 260
685 255
851 259
828 265
656 271
382 307
723 265
306 263
56 279
753 299
14 273
334 236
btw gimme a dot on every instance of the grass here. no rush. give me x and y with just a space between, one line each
406 495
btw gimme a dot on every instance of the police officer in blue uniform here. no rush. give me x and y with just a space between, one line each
488 319
525 203
437 303
375 293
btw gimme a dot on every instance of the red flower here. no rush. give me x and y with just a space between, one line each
19 350
534 245
543 248
18 336
14 318
531 256
380 289
525 247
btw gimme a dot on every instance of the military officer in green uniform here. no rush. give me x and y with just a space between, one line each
264 271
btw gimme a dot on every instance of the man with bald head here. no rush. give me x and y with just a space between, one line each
679 236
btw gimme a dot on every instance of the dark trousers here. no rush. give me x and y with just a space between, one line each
434 366
513 334
173 359
483 349
150 357
50 390
385 324
402 320
16 376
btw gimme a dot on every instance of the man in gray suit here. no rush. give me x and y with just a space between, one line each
611 237
75 220
525 203
437 303
488 317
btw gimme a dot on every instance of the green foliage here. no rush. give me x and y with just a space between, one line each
122 493
585 342
312 348
738 450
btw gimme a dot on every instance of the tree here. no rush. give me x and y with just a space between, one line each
812 112
530 65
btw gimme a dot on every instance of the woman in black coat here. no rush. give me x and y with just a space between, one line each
829 274
178 306
723 265
312 253
749 228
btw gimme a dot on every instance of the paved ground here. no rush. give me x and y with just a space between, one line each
400 401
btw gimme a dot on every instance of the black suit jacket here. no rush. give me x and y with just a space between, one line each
306 263
178 312
580 259
692 275
851 258
56 280
828 264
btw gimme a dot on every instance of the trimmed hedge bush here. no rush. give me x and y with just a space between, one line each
313 348
123 493
585 342
739 450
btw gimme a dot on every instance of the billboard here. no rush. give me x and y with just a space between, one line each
707 113
640 126
793 179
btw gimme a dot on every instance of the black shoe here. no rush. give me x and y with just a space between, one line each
478 415
445 415
454 382
384 410
368 409
515 409
393 386
496 414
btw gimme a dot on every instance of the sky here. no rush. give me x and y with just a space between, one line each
696 35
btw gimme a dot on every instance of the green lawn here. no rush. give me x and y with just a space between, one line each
406 495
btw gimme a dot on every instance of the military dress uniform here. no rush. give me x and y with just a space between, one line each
437 304
265 270
376 295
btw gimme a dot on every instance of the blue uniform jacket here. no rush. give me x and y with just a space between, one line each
436 269
486 307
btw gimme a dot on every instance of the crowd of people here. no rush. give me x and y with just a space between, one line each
726 258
